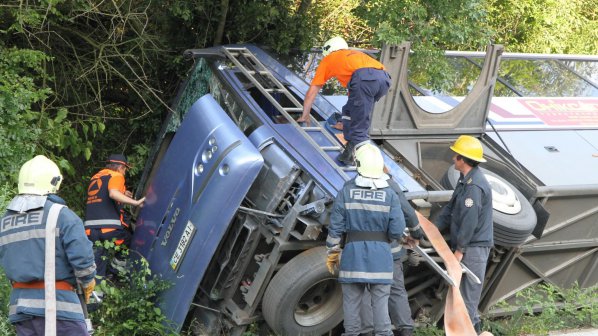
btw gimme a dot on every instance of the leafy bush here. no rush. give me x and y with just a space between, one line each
128 306
6 328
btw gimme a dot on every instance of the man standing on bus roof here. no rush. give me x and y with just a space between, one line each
366 81
104 213
468 215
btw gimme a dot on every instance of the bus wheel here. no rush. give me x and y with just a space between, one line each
303 298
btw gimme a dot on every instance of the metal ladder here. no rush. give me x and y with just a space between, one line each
268 85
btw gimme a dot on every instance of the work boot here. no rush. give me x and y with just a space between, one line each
402 332
119 265
347 156
478 328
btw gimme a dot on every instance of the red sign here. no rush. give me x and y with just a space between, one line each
564 111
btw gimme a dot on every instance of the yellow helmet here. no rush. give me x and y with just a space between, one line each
334 44
469 147
39 176
369 161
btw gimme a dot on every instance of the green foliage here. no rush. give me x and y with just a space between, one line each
6 327
128 306
22 123
337 18
429 25
95 80
278 24
86 79
29 126
545 307
432 27
546 26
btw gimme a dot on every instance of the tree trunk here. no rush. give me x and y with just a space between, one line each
303 7
221 22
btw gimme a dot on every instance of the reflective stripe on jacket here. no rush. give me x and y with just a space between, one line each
22 250
365 210
101 210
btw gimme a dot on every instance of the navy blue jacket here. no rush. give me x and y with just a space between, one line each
469 212
358 209
22 254
410 220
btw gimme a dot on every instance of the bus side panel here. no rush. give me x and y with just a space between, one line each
202 179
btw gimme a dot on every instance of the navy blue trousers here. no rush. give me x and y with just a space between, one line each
366 87
101 255
475 258
36 327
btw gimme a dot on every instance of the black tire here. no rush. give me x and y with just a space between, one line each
510 229
507 241
303 298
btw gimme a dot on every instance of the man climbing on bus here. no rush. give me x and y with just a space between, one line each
104 214
366 81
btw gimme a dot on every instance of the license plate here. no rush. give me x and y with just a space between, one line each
181 248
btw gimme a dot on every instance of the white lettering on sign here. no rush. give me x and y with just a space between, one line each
21 220
368 195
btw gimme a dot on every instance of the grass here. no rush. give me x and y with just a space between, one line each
545 308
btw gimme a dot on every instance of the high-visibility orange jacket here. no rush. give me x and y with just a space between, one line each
341 64
102 211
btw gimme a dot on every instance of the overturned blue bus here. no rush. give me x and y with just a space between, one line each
238 193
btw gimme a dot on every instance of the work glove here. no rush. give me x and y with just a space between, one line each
333 261
416 232
411 242
88 289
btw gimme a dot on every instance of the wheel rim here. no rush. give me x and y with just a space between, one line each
504 198
319 303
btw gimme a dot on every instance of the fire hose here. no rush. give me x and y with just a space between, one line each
456 318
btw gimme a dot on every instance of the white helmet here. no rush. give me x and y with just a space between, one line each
39 176
334 44
369 161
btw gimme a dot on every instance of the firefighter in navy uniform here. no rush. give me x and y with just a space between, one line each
468 215
22 253
104 213
370 215
398 301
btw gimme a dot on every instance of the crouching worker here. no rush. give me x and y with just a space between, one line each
366 82
42 238
368 212
104 214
